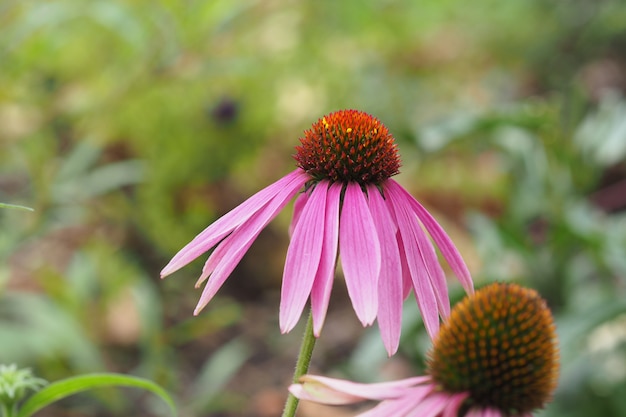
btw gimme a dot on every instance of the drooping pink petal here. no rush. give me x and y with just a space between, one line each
484 412
226 258
431 406
359 249
434 271
320 293
453 407
298 205
322 394
443 241
219 253
340 391
303 258
409 233
390 295
394 408
435 274
210 236
238 243
407 282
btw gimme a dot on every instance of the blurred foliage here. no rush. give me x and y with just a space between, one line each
129 126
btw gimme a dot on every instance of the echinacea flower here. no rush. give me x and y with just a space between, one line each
495 356
348 205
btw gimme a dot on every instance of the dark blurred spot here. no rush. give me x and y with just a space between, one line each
538 230
50 83
225 111
610 195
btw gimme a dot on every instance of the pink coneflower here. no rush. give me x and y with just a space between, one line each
347 204
495 356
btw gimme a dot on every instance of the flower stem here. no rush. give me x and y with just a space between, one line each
7 410
302 365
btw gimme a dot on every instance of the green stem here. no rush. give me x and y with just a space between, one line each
7 410
302 365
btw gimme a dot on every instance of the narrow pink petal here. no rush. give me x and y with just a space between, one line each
298 205
400 407
320 293
227 257
435 274
215 232
443 241
453 407
390 295
232 250
303 258
359 249
392 408
359 392
219 254
410 234
434 271
431 406
484 412
407 282
321 394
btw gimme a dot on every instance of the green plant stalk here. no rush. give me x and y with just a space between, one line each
302 365
7 410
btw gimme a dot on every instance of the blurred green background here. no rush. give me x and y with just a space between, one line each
130 125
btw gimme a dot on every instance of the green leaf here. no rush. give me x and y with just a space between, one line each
15 206
69 386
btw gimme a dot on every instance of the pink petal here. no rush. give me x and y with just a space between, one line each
484 412
320 293
443 241
407 281
390 279
393 408
410 232
431 406
492 412
359 248
321 394
230 252
297 210
210 236
434 271
336 390
454 405
303 258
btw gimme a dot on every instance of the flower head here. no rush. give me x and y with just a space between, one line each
15 382
348 146
347 205
495 356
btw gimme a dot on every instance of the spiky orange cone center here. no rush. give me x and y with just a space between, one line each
348 146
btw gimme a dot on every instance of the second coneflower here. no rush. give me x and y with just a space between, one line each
347 205
495 356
